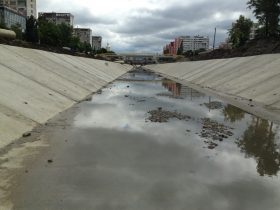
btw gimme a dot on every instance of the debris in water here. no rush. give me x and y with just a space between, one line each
214 105
214 131
161 116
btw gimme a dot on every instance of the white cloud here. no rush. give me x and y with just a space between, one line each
147 25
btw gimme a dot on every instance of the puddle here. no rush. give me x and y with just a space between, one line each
146 142
230 149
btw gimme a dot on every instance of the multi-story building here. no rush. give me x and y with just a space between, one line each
169 49
11 17
24 7
84 34
96 42
31 8
194 43
253 31
187 43
58 18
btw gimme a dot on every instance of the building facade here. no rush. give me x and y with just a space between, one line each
84 34
193 43
96 42
187 43
11 17
25 7
58 18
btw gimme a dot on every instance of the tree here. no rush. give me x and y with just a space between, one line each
31 33
101 51
239 34
18 30
267 12
180 49
49 33
3 25
259 141
65 34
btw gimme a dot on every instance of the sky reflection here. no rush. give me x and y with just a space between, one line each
245 163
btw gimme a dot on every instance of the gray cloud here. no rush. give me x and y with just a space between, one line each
150 29
84 17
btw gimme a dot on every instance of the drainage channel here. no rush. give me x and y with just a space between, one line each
146 142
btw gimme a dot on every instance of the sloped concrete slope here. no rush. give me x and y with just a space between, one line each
256 77
36 85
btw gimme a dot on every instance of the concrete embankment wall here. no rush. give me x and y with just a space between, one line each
36 85
256 78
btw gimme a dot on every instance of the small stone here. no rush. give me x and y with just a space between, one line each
126 96
25 102
50 161
250 99
27 134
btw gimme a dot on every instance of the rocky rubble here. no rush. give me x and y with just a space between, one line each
161 116
214 131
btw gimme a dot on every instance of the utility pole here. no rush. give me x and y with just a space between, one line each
214 42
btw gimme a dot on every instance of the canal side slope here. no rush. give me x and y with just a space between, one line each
252 83
36 85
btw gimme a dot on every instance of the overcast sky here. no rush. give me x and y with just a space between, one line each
147 25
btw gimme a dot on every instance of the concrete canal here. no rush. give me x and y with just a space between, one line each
146 142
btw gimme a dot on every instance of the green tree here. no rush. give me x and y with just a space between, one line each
267 12
18 30
101 51
233 113
31 33
258 141
64 34
180 49
74 43
3 25
239 34
49 33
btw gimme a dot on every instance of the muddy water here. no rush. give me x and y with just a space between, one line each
145 142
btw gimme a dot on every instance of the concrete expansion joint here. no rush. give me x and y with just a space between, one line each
45 85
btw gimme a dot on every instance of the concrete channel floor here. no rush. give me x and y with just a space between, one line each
145 142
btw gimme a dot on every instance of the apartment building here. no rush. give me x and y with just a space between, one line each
187 43
96 42
10 17
84 34
193 43
58 18
24 7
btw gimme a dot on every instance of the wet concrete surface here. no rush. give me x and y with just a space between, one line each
145 142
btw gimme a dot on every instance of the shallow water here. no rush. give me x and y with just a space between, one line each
216 157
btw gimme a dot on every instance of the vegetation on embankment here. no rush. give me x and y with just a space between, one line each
251 48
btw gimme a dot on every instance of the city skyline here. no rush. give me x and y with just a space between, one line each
147 25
